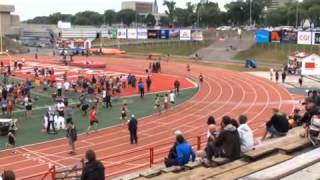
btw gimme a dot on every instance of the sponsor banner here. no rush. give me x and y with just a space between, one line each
122 33
174 33
311 65
185 34
262 36
142 33
275 36
316 38
132 33
289 37
164 34
304 38
153 34
196 35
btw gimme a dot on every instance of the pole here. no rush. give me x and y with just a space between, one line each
198 14
297 13
250 13
1 49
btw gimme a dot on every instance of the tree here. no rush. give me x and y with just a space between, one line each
150 20
88 18
237 11
164 21
109 17
126 16
314 14
210 15
171 7
55 17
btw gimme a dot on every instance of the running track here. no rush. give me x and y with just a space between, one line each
222 93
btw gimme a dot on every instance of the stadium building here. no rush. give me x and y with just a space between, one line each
7 19
141 7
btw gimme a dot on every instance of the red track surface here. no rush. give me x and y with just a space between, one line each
222 93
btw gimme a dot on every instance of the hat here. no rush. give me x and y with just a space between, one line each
177 132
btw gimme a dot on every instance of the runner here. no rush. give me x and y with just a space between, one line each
188 68
200 78
166 102
172 97
93 119
124 114
157 105
12 139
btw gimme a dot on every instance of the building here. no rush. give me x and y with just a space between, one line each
142 8
278 3
8 20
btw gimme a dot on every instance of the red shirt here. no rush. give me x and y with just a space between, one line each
93 115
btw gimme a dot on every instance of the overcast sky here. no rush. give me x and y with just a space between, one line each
30 8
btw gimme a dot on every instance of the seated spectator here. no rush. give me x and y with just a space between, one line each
227 143
277 126
184 151
171 160
93 169
211 121
8 175
314 130
246 135
311 110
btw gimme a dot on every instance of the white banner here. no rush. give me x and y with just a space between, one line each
311 65
197 35
122 33
304 38
142 33
185 34
132 33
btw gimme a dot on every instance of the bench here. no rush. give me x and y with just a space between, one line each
286 168
309 173
252 167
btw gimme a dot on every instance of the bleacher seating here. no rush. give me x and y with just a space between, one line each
278 158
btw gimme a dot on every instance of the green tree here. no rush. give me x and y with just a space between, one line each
210 15
126 16
88 18
109 17
150 20
314 14
55 17
171 8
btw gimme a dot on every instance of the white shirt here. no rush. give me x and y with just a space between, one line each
104 93
171 97
59 85
66 85
246 137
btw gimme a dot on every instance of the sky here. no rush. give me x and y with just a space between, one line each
28 9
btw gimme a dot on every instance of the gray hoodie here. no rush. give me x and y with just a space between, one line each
246 137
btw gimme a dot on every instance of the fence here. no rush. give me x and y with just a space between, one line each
123 163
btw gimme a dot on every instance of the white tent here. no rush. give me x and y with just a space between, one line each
311 65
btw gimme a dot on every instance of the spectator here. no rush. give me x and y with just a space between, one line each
141 88
8 175
278 125
72 137
184 151
277 76
177 86
283 75
301 81
311 110
211 121
314 130
93 169
227 144
148 82
246 135
133 128
171 159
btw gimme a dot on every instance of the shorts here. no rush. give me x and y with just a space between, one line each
93 122
28 107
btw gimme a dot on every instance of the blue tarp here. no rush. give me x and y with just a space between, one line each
250 63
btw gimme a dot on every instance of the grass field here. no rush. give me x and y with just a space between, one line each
30 128
275 53
182 48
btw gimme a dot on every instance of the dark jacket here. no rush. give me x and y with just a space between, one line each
133 125
229 139
93 170
279 122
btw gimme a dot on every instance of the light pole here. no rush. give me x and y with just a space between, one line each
1 49
297 13
250 13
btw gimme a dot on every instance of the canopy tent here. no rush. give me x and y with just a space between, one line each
310 65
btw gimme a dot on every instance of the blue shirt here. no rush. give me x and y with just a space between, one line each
184 151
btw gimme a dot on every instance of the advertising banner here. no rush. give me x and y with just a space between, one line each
164 34
304 38
174 33
311 65
122 33
289 37
316 38
262 36
153 34
142 33
185 34
132 33
275 36
196 35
